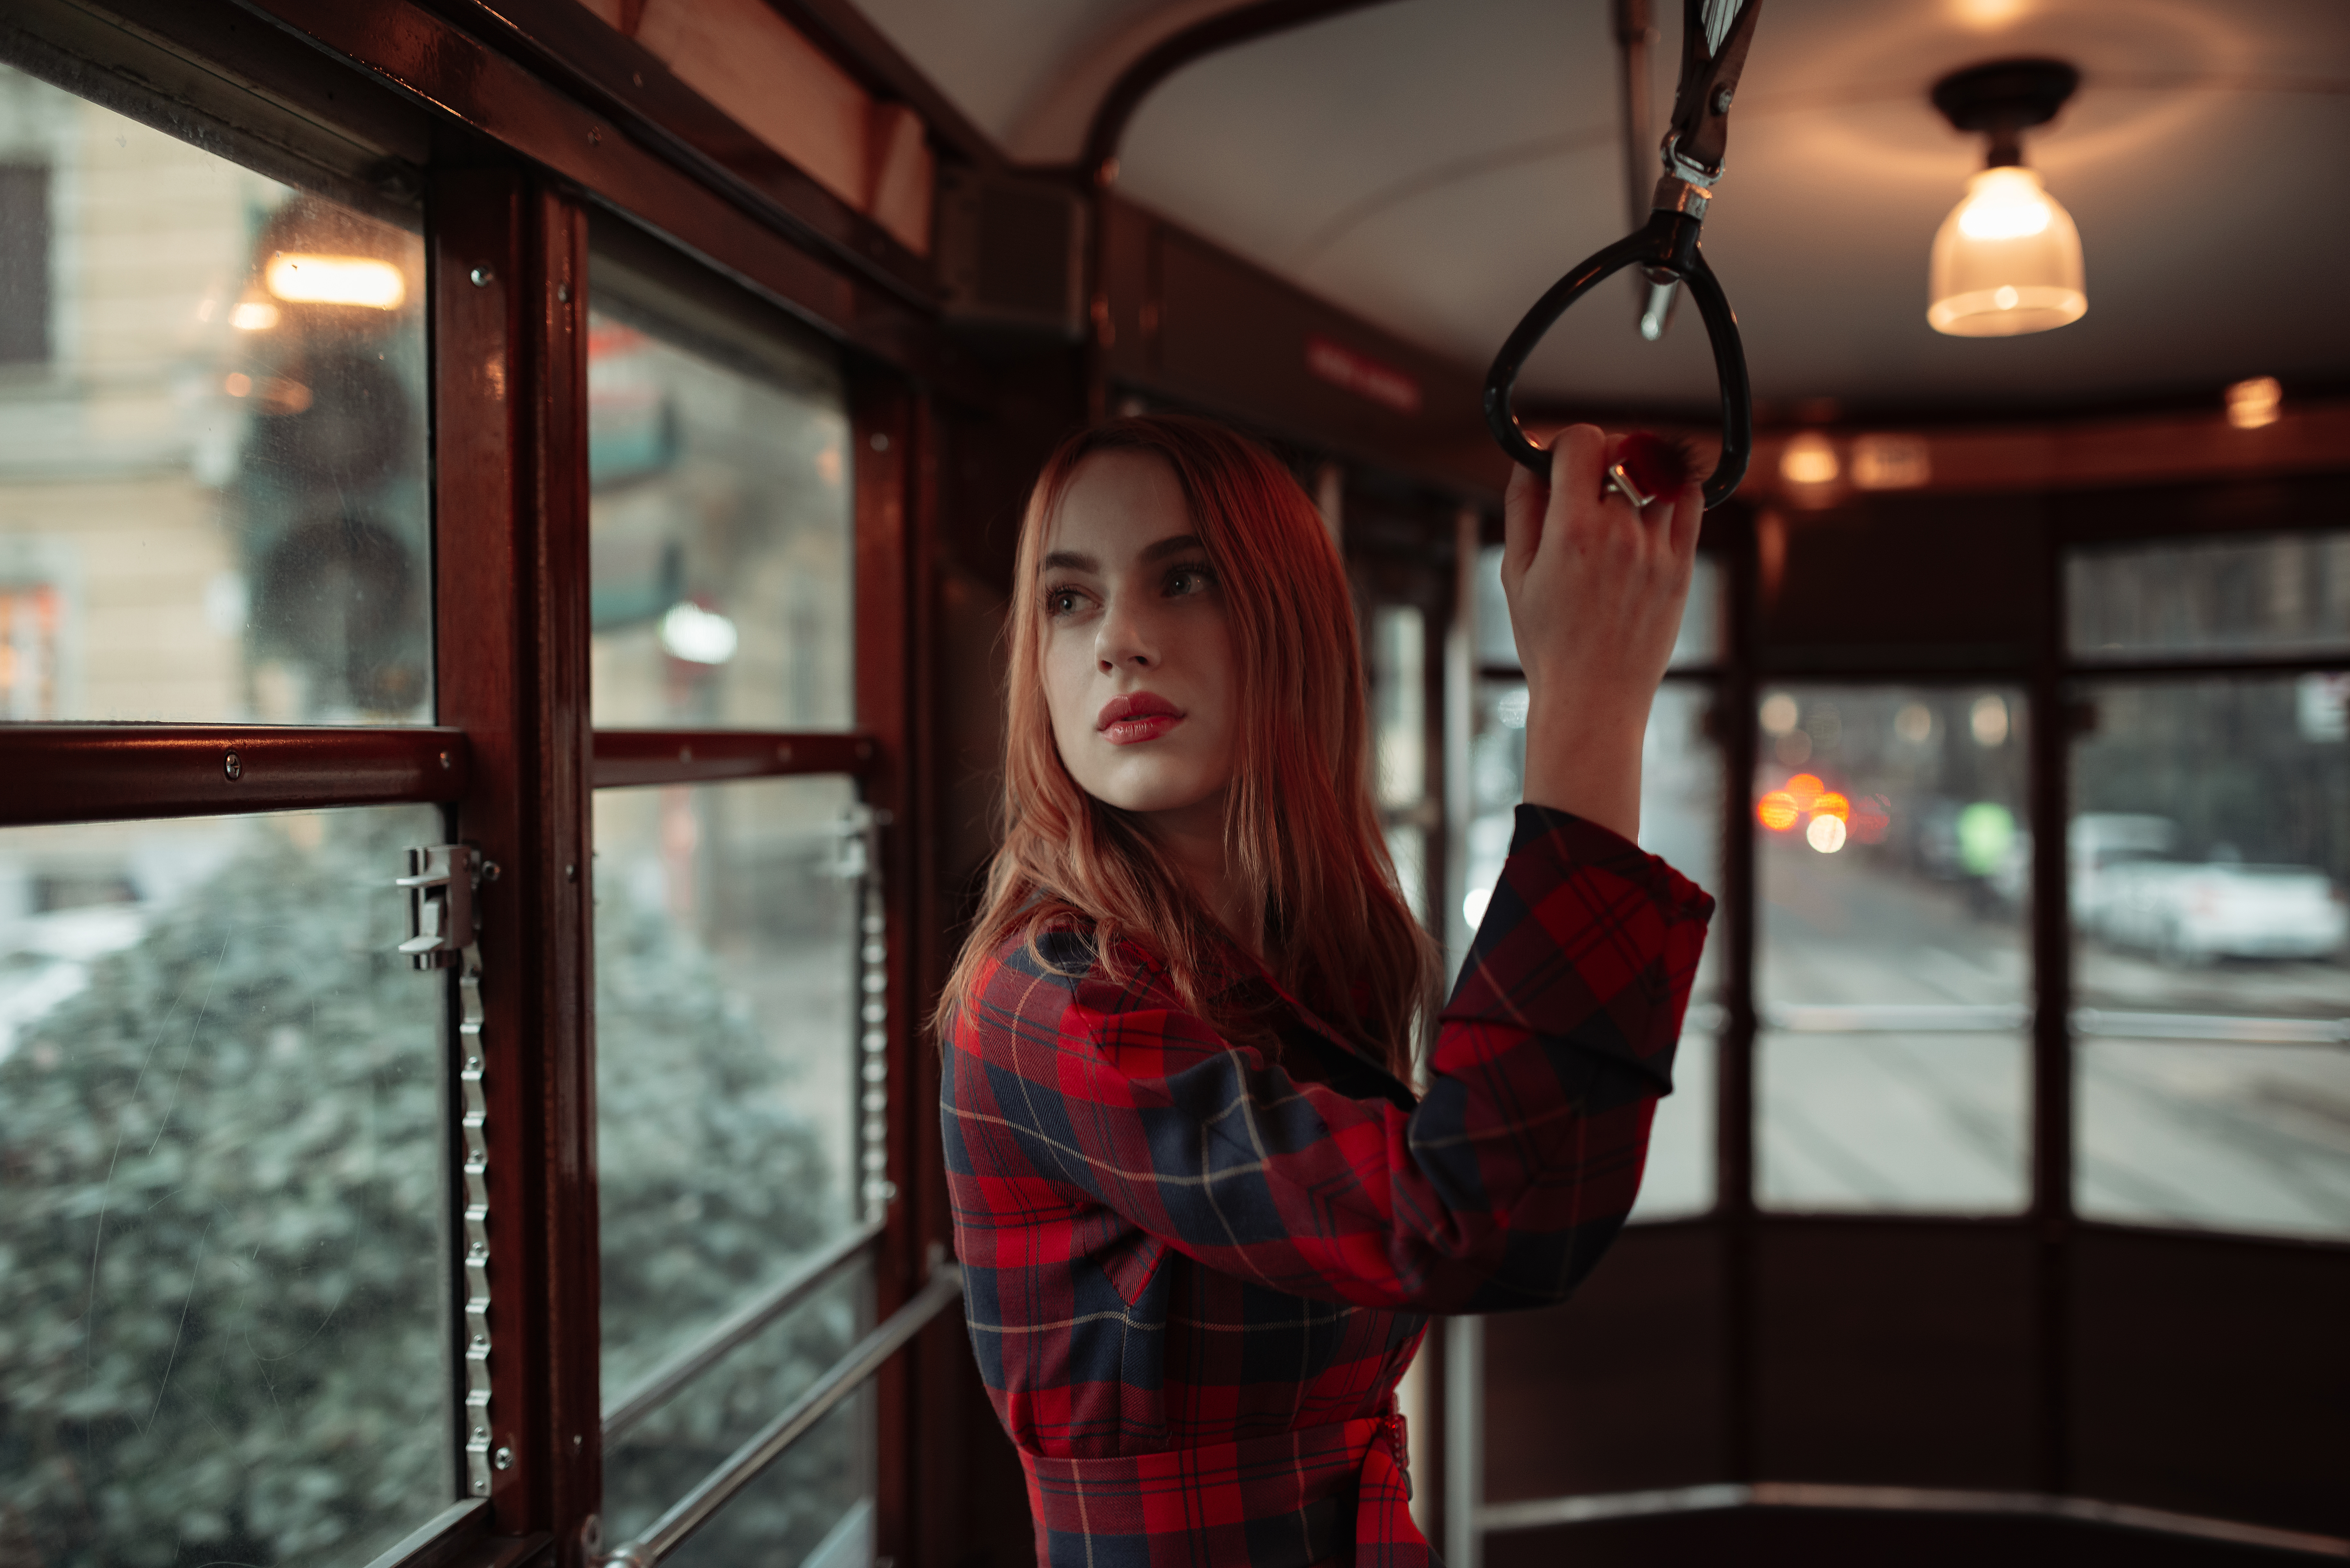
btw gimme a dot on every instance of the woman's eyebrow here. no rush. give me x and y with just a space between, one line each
1173 544
1073 561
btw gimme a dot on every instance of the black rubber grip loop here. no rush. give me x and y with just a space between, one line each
1668 243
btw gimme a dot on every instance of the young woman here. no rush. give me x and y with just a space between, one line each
1201 1218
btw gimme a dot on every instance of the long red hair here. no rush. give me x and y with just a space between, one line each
1299 822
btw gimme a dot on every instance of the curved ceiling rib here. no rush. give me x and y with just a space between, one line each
1242 24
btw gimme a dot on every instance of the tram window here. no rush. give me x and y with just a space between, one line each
1399 745
1699 642
2274 595
1893 861
1680 819
721 534
223 1205
2210 852
727 951
213 485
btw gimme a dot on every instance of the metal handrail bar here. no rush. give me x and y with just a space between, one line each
1896 1018
656 1388
2259 1031
689 1512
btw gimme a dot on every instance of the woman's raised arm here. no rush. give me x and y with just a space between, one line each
1595 587
1064 1090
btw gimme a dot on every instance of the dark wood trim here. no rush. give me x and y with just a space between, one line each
1189 325
625 758
2050 729
112 772
206 72
636 91
882 420
844 33
511 562
477 93
1734 917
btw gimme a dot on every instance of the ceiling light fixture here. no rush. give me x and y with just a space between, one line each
2007 258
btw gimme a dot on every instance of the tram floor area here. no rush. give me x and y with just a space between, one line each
1833 1538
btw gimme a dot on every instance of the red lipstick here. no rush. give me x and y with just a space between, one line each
1138 716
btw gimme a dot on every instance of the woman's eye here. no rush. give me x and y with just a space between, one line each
1190 580
1063 601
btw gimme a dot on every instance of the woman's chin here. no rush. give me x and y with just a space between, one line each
1148 786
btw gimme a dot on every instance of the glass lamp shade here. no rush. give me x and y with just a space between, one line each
2006 261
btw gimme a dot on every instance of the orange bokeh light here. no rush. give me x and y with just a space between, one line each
1828 802
1777 811
1804 789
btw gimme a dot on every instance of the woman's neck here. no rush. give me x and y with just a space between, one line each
1192 839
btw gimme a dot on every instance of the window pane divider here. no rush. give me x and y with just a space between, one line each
2215 662
658 1386
112 772
845 1377
634 757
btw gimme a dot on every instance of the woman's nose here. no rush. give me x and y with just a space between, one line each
1124 642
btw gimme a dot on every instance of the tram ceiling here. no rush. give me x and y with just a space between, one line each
1430 164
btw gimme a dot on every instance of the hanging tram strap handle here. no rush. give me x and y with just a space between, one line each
1715 34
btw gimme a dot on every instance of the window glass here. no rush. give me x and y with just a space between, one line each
1697 644
1893 857
225 1300
728 1092
2209 852
2278 594
782 1517
1400 745
212 442
720 529
1680 820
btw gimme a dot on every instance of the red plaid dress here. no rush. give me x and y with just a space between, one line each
1193 1273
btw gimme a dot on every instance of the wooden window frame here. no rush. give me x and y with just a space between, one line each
510 169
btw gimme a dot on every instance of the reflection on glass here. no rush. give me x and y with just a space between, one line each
2274 593
720 531
1893 858
1680 821
212 441
726 960
224 1334
2209 851
1697 644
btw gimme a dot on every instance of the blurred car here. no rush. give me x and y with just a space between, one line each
2103 842
2189 912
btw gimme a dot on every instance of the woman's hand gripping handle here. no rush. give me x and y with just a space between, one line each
1595 585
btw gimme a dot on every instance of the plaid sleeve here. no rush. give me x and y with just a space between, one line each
1500 1189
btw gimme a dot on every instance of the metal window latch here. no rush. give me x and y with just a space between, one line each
442 881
